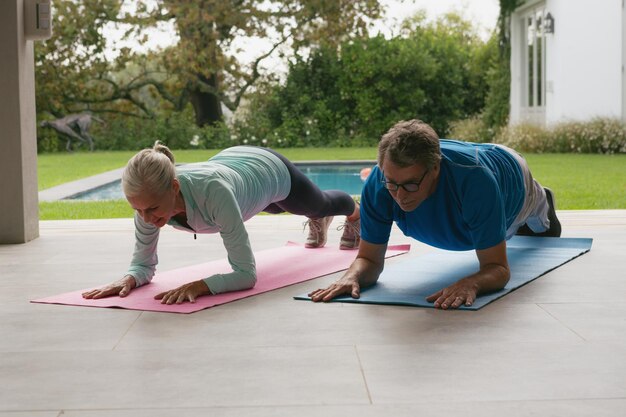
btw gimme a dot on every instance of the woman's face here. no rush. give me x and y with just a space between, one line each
156 209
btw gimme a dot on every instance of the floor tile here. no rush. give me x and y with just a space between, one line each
496 372
181 378
575 408
250 322
593 321
39 327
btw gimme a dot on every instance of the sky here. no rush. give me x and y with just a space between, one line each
484 14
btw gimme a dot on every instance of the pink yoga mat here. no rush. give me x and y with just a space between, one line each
276 268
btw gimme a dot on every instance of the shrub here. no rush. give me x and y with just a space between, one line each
177 130
525 137
497 102
49 141
473 129
351 96
599 135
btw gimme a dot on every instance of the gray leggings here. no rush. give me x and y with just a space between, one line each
306 199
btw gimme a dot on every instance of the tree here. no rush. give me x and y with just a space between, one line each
432 71
73 57
201 68
208 29
497 106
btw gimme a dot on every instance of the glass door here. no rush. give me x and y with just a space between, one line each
534 65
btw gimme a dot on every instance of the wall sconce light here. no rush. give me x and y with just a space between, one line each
548 24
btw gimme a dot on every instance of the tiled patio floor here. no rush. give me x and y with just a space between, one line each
555 347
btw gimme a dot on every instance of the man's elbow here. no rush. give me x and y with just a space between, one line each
494 278
504 275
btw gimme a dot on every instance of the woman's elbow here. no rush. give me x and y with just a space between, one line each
249 281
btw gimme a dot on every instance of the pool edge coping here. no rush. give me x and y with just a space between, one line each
74 188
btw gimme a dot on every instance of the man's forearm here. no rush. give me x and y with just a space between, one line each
365 272
491 277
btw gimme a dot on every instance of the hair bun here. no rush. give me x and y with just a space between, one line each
161 148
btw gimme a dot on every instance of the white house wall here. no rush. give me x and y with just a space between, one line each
583 61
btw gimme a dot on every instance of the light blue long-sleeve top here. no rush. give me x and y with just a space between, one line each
220 195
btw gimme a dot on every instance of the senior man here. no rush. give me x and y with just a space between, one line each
452 195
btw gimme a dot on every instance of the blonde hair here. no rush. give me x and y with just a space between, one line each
410 142
150 170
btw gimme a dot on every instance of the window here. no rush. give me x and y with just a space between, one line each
534 59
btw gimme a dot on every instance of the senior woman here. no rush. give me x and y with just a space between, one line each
218 196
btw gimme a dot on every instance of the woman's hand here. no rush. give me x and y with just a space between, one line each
188 292
121 287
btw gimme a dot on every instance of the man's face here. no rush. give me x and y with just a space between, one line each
415 176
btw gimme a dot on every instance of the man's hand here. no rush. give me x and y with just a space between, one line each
461 292
363 272
493 275
345 285
121 287
187 292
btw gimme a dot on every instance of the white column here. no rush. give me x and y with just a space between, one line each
623 23
19 215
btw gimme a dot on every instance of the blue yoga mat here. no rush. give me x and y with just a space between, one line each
409 282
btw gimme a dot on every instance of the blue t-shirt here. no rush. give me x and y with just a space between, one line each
479 194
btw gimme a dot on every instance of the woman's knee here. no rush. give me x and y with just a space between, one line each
273 209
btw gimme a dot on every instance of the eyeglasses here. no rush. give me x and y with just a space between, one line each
410 187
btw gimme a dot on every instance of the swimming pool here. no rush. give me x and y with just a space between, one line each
344 176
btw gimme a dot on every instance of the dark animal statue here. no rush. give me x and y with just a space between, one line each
74 126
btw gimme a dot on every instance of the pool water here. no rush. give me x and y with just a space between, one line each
337 176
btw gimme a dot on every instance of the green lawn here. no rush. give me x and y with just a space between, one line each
580 182
77 210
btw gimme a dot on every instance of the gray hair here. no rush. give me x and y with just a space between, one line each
410 142
150 170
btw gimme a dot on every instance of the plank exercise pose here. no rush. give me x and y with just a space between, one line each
218 196
452 195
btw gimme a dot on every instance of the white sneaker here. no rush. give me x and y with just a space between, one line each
351 236
318 231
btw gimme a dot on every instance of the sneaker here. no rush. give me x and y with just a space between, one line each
555 225
351 236
318 231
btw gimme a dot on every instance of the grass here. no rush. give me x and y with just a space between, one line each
59 168
77 210
580 182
